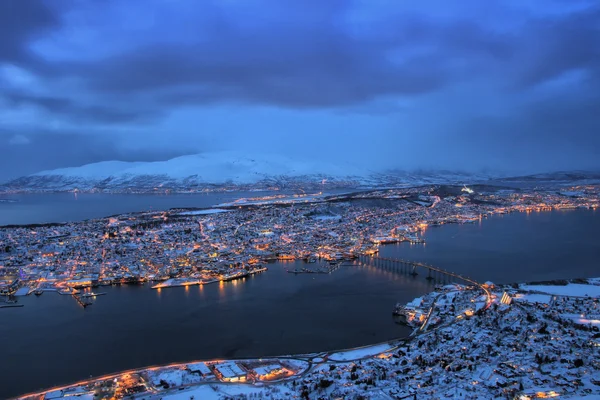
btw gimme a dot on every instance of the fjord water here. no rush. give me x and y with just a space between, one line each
53 341
518 247
34 208
40 208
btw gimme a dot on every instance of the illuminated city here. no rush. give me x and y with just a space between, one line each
235 240
179 248
300 199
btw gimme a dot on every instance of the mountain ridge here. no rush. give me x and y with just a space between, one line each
230 170
225 169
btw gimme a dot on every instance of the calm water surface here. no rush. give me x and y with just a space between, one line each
53 341
517 247
65 207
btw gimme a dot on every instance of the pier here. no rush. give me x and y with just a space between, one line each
92 294
325 269
83 301
179 282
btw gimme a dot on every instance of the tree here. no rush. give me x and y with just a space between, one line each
325 383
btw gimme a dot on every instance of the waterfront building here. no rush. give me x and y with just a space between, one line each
230 372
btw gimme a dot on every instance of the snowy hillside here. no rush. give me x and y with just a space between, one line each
225 169
212 168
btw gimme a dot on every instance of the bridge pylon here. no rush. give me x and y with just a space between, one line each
414 271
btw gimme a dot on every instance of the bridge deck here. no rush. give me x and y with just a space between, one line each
420 265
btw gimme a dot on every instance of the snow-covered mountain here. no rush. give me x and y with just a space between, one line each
226 169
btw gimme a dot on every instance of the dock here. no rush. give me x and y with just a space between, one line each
93 294
179 282
83 301
23 291
326 269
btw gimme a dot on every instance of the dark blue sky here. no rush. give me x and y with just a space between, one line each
501 84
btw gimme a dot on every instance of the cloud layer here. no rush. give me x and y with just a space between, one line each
502 84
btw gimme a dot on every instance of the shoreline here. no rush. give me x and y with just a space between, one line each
492 213
278 200
382 350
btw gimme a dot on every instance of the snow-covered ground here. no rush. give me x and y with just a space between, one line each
174 377
204 212
275 200
583 319
534 298
218 391
572 289
327 217
360 353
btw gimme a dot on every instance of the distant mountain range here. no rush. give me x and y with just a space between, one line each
236 171
560 176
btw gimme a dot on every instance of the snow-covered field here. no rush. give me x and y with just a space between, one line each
218 391
276 200
174 377
360 353
572 289
582 320
327 217
534 298
204 212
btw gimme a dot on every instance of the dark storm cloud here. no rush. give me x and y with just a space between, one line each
20 22
309 59
74 109
302 55
180 75
550 136
297 64
560 45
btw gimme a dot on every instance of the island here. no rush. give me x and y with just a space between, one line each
197 247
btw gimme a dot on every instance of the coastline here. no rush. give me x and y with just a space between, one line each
379 352
541 209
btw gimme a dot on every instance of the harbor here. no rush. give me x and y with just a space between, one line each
182 282
316 269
